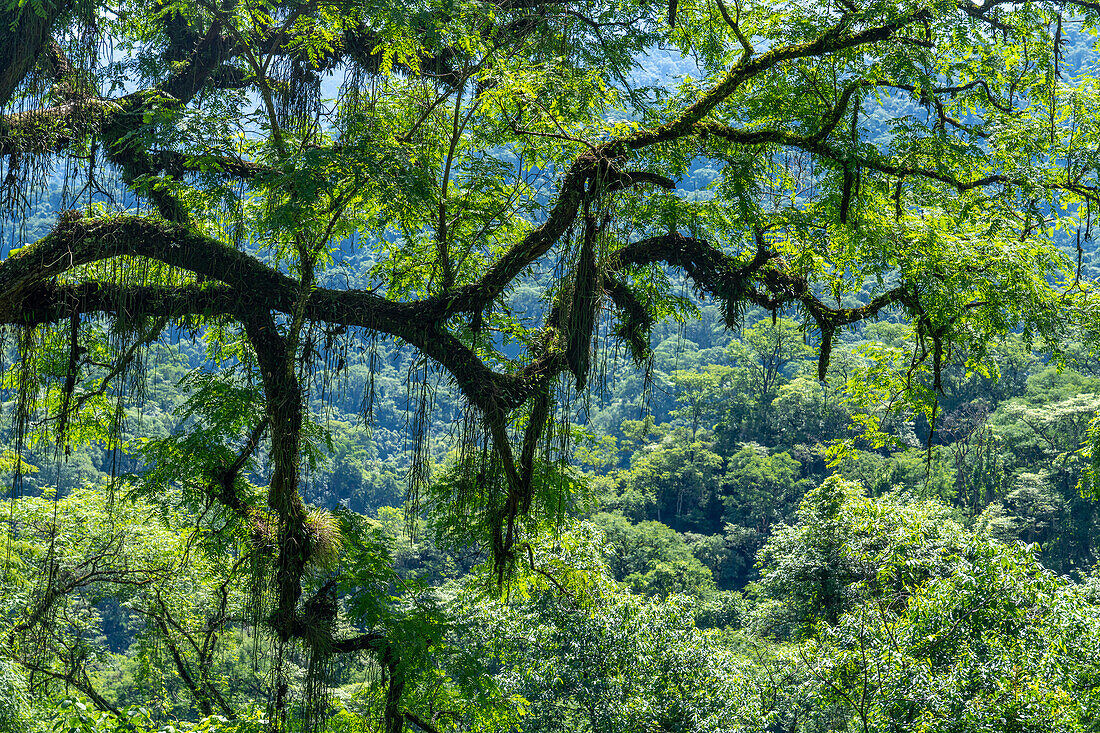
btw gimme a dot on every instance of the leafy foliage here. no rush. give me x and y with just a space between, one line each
496 196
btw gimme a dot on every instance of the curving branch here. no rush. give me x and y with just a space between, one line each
723 277
813 144
837 38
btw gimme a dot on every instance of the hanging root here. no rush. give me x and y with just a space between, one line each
518 480
318 620
846 193
503 520
582 311
420 466
827 334
540 414
71 372
636 322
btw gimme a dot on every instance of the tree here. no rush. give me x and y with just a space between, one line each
673 482
998 645
703 394
978 472
651 558
809 413
1029 513
107 562
594 657
847 548
765 353
760 488
470 145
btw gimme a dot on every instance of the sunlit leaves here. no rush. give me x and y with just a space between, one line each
997 644
215 424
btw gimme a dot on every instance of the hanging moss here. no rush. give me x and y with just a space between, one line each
583 307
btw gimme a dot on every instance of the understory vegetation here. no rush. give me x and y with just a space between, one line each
732 558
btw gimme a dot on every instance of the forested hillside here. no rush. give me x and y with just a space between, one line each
540 365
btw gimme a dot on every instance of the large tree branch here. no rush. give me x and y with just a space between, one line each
590 174
833 40
28 295
53 129
51 302
179 164
601 164
723 277
812 144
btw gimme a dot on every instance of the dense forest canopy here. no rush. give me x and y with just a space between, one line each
500 188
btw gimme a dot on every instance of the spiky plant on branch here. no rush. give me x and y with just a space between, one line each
470 145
